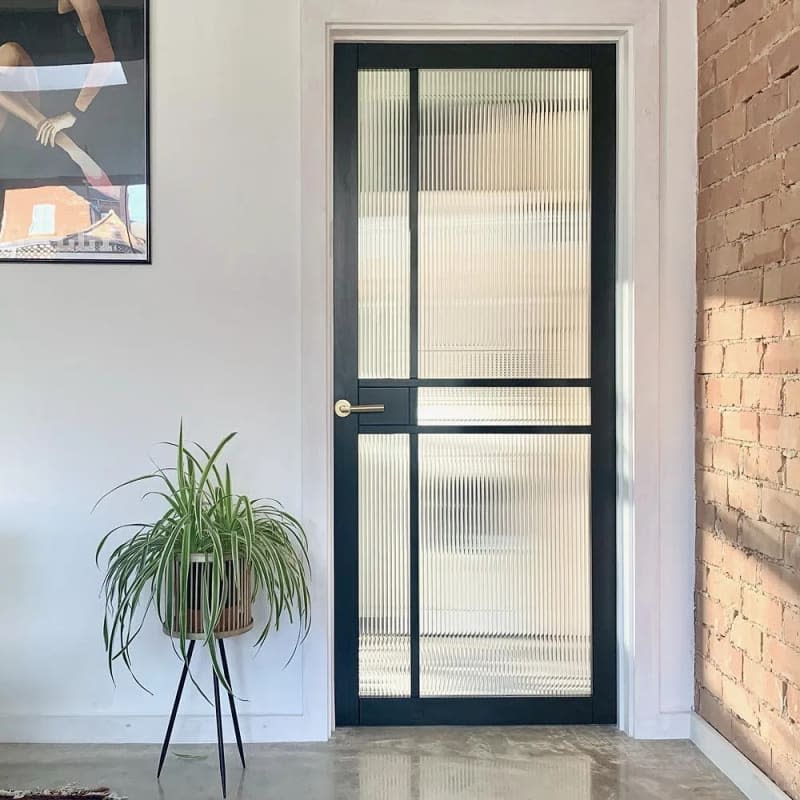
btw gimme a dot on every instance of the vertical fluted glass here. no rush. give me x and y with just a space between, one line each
504 213
384 651
505 565
383 224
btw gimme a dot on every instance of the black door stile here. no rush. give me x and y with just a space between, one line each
600 707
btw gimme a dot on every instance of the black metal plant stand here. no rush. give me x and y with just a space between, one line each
217 711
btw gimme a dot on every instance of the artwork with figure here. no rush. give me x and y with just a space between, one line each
74 183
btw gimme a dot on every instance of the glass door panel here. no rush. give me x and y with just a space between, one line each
504 223
505 579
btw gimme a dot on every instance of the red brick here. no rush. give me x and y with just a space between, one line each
791 166
709 358
740 564
791 319
793 473
724 391
733 58
704 453
713 712
726 457
740 425
767 104
720 197
717 166
724 260
726 324
781 507
764 464
784 737
791 635
785 133
782 357
782 583
761 392
743 288
781 659
705 513
743 221
726 657
743 15
707 13
791 550
770 29
786 56
766 248
779 431
749 742
782 208
744 494
762 683
709 548
782 283
791 397
712 40
791 244
704 141
740 701
709 422
729 127
742 357
711 233
753 149
762 322
793 702
713 487
706 77
761 609
762 537
727 526
749 82
714 104
723 588
708 676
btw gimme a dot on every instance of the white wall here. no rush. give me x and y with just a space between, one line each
99 363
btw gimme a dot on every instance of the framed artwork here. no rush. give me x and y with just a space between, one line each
74 131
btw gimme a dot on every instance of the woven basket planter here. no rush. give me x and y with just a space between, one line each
236 616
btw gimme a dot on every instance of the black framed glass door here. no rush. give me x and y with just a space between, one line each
475 459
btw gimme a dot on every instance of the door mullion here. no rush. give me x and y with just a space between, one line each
413 218
413 510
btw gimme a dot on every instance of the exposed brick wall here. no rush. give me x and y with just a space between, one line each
748 383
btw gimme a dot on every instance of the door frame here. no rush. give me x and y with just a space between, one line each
601 706
655 318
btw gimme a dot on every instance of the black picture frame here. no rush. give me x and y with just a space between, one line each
114 131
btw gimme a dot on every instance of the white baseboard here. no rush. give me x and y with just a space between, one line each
666 725
119 729
747 777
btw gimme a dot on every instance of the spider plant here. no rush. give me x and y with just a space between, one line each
203 521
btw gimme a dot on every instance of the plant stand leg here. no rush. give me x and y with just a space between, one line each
220 745
175 705
231 700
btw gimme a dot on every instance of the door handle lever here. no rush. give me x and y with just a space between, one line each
343 408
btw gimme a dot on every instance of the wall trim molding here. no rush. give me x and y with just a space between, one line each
747 777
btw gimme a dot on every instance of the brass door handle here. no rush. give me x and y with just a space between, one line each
343 408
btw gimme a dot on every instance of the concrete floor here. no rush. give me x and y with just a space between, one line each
418 763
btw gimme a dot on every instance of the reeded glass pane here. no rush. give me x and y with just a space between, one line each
503 405
383 232
384 652
504 212
505 581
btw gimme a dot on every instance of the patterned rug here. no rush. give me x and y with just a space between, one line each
62 794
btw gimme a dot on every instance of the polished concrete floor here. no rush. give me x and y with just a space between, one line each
424 763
